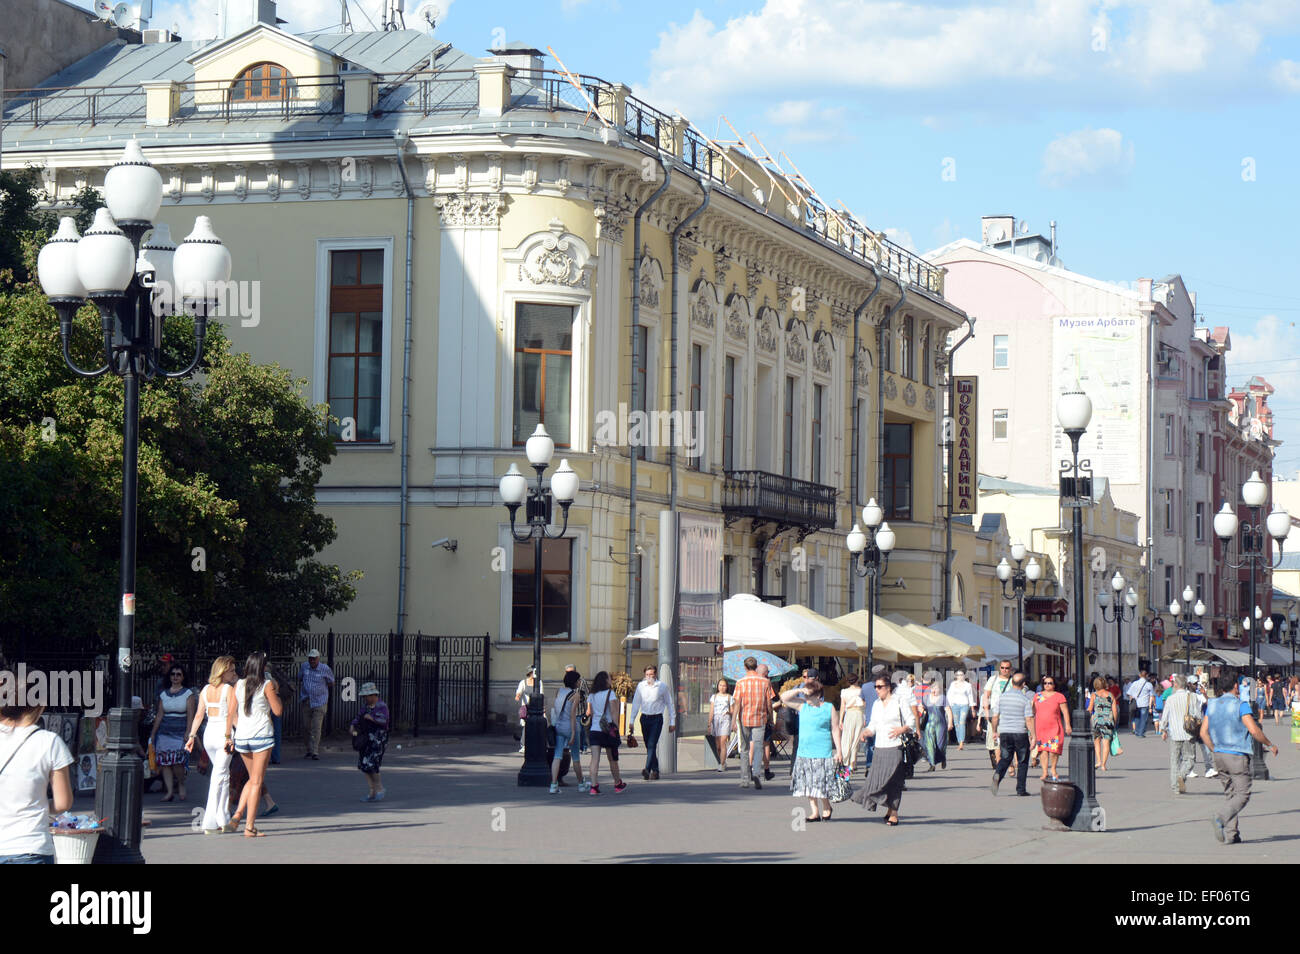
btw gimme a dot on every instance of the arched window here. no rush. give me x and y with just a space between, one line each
262 81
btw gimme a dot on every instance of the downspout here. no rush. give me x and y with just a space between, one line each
880 386
948 427
1151 465
672 386
855 497
403 526
634 572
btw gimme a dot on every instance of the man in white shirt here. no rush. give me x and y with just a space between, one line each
652 700
1141 692
997 684
1182 747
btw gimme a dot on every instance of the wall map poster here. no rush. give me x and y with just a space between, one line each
965 425
1102 358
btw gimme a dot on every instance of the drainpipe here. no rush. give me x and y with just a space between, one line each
634 573
949 426
874 581
403 520
1151 464
855 493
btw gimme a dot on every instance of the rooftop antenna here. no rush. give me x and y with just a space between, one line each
345 17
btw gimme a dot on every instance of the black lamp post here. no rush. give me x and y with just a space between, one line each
869 557
1293 623
1185 616
1074 411
1254 494
1125 611
134 286
1019 579
539 449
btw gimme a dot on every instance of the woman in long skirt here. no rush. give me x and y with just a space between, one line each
371 724
819 747
852 720
938 721
217 706
891 717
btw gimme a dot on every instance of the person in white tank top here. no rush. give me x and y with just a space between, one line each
256 699
217 707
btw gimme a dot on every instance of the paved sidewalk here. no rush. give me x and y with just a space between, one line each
455 799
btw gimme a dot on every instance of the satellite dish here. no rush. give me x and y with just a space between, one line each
996 234
430 13
103 10
1024 227
122 15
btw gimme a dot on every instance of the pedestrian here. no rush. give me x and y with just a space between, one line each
1182 745
315 680
788 717
992 690
1051 727
1205 690
1227 729
722 706
277 721
566 717
819 747
527 686
1295 711
754 697
255 699
1102 709
176 708
852 719
371 727
33 761
960 700
1013 721
1141 691
602 714
891 718
769 735
584 733
217 706
1273 697
938 723
652 700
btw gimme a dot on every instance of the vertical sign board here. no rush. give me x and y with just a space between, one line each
962 468
699 625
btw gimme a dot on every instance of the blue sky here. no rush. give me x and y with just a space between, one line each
1161 135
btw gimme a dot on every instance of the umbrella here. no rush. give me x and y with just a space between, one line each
888 635
968 631
882 653
944 645
733 663
749 622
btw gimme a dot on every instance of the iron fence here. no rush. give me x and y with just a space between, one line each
786 500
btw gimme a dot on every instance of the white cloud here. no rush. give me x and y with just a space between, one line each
1264 351
1097 156
1286 74
804 121
1035 49
901 237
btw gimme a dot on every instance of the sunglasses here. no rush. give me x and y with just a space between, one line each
181 674
881 685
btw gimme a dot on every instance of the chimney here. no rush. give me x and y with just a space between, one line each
236 16
1144 289
526 61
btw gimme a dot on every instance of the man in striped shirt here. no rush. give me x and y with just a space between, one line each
754 695
1182 747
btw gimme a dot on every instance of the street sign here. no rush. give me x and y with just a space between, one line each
1193 633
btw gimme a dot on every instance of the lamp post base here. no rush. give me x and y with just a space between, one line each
536 770
1088 814
1258 767
119 793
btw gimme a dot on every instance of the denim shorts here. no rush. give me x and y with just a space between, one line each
26 859
563 742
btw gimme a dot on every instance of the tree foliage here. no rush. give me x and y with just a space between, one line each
228 531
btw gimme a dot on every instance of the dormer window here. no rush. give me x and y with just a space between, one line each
262 82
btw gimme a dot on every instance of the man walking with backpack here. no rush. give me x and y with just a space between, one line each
1180 724
1142 692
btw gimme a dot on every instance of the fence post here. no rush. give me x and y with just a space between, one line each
394 678
487 653
437 680
419 656
329 661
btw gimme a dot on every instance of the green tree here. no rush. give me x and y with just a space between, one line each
228 530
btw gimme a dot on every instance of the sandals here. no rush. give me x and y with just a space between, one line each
827 816
892 823
254 833
230 826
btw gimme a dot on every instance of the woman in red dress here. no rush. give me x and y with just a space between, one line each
1051 726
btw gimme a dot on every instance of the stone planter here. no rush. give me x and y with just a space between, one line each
1059 800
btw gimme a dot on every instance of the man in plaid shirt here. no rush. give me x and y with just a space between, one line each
754 695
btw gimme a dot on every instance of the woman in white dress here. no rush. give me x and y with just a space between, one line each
217 706
255 699
852 719
722 707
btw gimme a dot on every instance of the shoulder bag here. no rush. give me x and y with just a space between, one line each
1191 721
911 743
610 728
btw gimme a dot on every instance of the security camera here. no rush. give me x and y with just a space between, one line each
901 583
446 543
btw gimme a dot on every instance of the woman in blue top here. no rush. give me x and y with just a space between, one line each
819 747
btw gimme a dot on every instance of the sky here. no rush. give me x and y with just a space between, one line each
1160 135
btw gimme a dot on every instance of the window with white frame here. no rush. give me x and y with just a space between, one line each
1169 585
543 371
1169 510
1006 619
1001 351
906 343
697 404
789 425
1200 521
927 362
729 383
818 409
641 381
984 615
1169 435
886 348
1000 424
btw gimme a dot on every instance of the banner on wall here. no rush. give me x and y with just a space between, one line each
962 468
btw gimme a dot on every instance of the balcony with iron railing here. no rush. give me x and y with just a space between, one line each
773 498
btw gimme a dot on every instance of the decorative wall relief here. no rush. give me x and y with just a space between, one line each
909 395
891 388
766 332
652 279
471 209
929 399
554 257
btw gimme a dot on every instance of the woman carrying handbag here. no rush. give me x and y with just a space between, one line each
892 725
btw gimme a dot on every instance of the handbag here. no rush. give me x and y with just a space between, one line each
606 726
1191 722
911 744
840 789
1115 747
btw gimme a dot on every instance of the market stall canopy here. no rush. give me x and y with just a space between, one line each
881 653
993 643
1229 657
890 636
1273 654
748 622
945 646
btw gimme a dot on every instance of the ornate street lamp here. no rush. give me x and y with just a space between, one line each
1125 612
1074 411
514 488
869 557
1019 580
1185 616
133 286
1254 494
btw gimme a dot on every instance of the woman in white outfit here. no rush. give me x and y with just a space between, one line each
217 706
852 719
255 699
960 700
